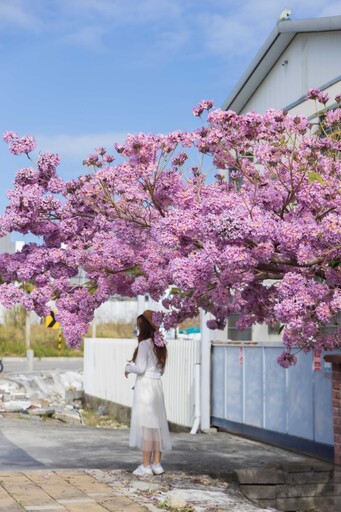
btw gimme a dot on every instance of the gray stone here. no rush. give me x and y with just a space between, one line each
68 417
144 485
176 502
260 476
267 503
16 405
256 492
336 475
309 503
211 430
293 491
72 395
309 477
42 411
298 467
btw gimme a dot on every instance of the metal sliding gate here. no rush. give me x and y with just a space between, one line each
252 395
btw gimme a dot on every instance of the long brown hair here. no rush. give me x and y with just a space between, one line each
147 331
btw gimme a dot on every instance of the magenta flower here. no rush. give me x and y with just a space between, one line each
20 145
262 241
159 339
203 105
286 360
313 94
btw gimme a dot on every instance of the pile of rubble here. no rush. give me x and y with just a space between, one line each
55 395
178 491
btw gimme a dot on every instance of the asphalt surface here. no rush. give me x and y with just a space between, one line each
19 364
47 465
34 444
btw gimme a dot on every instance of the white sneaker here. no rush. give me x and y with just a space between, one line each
143 471
157 469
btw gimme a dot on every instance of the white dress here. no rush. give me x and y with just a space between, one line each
148 427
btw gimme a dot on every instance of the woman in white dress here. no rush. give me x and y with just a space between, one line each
149 428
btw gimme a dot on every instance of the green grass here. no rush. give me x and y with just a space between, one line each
44 341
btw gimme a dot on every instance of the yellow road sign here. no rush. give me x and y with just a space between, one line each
51 322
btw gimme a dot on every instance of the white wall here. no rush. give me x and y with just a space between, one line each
117 311
104 363
6 245
311 62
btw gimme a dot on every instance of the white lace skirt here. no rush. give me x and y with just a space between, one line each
148 427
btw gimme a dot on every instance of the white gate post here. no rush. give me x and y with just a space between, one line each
205 377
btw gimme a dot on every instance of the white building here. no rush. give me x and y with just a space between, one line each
6 245
250 393
298 55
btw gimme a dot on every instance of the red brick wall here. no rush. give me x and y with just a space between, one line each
337 411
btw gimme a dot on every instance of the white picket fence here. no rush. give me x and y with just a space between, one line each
104 363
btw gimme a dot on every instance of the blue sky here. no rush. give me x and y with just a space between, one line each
78 74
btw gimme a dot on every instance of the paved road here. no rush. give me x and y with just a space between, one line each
19 364
50 445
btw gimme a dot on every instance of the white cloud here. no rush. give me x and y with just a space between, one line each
123 12
227 35
241 29
88 23
78 147
16 14
218 27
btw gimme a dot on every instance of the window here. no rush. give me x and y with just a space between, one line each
235 334
274 329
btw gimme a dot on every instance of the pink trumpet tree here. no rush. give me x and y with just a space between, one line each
239 216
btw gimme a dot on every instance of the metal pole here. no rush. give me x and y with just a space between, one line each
28 329
29 352
59 342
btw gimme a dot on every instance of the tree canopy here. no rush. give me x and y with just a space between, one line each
160 217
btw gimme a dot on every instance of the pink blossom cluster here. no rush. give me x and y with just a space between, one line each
18 145
203 105
255 229
159 339
317 94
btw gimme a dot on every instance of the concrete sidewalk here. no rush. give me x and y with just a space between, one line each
53 467
99 491
118 490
